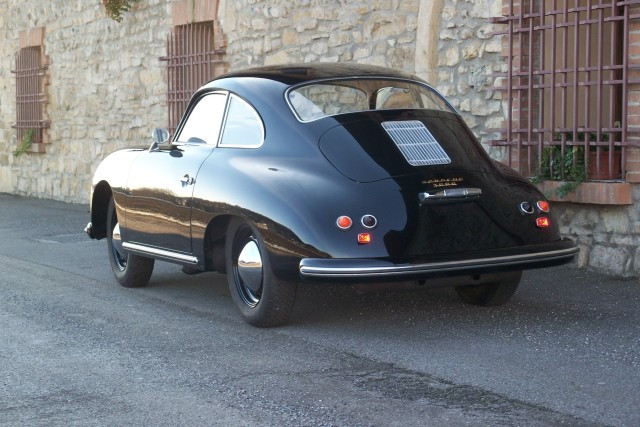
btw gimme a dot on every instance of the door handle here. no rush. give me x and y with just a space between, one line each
187 180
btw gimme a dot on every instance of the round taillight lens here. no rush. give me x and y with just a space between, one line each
526 208
543 205
369 221
344 222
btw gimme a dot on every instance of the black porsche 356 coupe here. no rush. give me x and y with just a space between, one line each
322 173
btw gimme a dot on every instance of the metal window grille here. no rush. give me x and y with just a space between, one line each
30 93
567 85
194 57
416 143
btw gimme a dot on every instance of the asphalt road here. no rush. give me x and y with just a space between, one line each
78 349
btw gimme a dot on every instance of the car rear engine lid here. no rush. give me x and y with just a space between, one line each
416 143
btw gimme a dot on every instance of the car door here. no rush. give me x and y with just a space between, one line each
161 181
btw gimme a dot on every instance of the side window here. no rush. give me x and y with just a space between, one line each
204 121
243 127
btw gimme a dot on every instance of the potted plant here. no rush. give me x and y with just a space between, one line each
568 168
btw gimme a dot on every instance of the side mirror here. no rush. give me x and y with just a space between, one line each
160 137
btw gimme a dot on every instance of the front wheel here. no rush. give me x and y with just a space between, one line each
490 294
263 299
131 271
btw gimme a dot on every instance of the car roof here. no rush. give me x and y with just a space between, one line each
293 74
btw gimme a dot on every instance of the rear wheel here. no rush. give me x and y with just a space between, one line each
263 299
490 294
131 271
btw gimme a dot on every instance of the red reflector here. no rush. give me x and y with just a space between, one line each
542 222
344 222
543 205
364 238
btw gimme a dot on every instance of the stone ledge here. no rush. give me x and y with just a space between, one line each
37 147
596 193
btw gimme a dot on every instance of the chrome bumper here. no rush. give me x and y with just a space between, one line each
328 268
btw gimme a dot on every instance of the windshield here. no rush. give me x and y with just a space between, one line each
328 98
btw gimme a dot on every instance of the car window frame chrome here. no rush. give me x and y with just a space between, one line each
224 124
373 77
187 114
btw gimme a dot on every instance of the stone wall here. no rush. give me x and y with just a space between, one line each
467 56
379 32
107 90
608 236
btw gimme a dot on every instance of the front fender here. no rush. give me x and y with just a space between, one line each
110 180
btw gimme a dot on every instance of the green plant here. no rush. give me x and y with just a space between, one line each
568 168
115 8
25 144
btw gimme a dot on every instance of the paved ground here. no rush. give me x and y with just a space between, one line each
76 348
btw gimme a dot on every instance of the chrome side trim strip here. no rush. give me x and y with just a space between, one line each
160 253
387 270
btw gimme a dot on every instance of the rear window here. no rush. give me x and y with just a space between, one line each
328 98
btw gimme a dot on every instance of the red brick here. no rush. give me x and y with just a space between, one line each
634 96
633 154
633 177
180 13
633 120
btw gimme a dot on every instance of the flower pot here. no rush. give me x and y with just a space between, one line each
604 165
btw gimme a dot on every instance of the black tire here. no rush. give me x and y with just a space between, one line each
131 271
263 300
490 294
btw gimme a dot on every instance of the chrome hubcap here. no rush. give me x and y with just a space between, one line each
250 267
116 239
248 271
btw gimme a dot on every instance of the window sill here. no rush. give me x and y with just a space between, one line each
596 193
37 147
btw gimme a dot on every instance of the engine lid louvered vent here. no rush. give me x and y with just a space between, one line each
416 143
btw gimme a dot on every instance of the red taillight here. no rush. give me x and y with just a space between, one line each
542 222
543 205
344 222
364 238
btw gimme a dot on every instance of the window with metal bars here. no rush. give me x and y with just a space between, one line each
194 56
567 85
30 72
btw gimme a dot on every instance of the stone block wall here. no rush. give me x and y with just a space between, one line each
379 32
467 56
608 236
107 89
